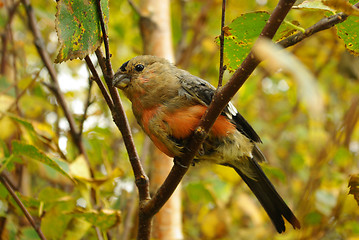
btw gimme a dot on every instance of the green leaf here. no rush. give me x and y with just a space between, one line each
77 229
241 34
104 219
29 233
50 194
197 191
314 5
55 222
313 218
27 125
222 190
22 149
4 148
275 172
4 162
344 6
78 28
349 32
3 192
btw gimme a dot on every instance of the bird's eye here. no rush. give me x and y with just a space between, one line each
139 67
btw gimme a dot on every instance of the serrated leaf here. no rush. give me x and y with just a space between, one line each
23 149
78 28
104 219
314 5
241 34
342 6
349 32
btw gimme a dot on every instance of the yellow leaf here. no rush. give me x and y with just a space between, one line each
79 168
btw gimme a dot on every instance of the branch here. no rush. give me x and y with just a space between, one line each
135 8
28 216
109 71
121 122
323 24
221 45
99 83
86 107
220 100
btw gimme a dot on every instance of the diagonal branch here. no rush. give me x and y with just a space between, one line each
99 83
323 24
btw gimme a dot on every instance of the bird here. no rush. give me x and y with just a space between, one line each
168 103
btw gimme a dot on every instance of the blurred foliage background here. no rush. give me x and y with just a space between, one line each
310 161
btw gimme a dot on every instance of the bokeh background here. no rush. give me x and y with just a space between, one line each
310 161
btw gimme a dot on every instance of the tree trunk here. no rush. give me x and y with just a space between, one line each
156 33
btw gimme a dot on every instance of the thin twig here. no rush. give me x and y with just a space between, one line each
18 201
323 24
221 45
86 107
135 8
181 46
99 83
19 95
109 71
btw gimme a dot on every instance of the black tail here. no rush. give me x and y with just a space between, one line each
271 201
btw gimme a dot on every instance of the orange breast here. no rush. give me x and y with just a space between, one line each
184 121
147 115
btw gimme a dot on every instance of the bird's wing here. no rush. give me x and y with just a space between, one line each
202 91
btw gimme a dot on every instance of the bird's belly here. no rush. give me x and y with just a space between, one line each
233 147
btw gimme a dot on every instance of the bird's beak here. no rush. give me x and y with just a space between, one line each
121 80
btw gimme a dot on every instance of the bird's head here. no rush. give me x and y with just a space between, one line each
148 77
140 67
